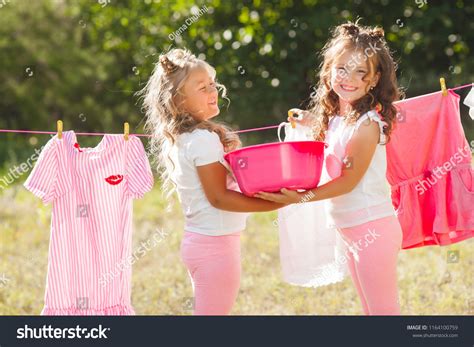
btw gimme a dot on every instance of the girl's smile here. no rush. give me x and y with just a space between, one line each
350 77
348 88
200 95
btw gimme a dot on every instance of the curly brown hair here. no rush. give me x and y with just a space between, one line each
325 104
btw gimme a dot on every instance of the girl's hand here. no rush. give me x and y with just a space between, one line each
286 197
213 179
303 117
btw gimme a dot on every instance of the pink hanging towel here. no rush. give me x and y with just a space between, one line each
89 267
430 173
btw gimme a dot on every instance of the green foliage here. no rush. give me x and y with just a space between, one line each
81 61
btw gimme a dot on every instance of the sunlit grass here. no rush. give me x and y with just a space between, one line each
160 282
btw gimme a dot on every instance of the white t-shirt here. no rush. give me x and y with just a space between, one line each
370 199
197 148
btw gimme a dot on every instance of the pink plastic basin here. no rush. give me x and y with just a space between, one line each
272 166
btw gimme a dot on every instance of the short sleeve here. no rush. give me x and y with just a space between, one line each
139 174
42 180
205 148
372 115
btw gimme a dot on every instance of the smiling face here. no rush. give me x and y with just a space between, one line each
199 95
350 77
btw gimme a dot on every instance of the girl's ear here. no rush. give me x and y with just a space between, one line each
375 79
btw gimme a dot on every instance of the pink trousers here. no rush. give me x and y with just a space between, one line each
371 251
213 263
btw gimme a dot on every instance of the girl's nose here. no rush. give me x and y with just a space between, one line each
211 89
351 76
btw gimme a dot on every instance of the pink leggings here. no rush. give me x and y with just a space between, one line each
372 249
213 264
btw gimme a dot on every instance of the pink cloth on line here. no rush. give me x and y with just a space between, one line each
91 225
430 173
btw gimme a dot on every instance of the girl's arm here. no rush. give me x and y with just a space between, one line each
214 182
359 153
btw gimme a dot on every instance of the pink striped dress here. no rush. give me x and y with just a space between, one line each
92 191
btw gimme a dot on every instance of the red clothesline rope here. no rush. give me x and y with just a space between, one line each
145 135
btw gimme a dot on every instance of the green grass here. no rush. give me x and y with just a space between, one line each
161 286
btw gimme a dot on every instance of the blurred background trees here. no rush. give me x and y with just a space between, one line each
82 60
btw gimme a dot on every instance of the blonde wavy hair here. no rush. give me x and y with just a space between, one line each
166 120
325 104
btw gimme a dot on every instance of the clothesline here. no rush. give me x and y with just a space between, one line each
101 134
146 135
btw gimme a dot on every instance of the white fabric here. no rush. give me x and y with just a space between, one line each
197 148
370 199
311 254
298 133
469 101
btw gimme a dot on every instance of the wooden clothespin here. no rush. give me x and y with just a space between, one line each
290 118
60 129
126 131
443 86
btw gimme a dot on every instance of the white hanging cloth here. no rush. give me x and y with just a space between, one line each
311 253
469 101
